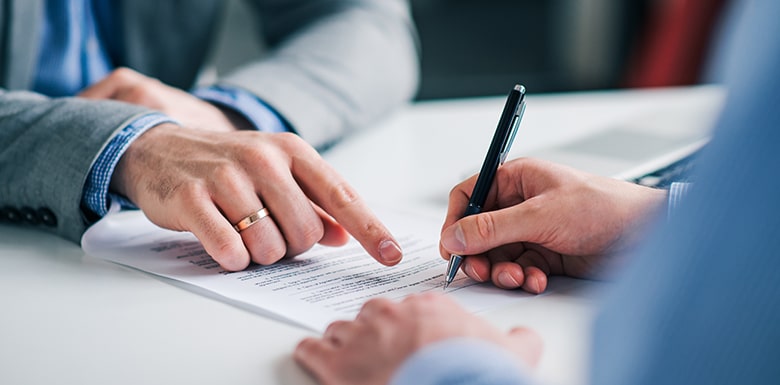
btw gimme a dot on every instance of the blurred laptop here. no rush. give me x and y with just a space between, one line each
653 150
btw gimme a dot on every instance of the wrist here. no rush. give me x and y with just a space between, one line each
243 109
126 179
237 121
96 196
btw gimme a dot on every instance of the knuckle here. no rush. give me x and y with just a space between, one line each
387 309
297 148
228 254
255 153
307 350
423 302
188 193
225 173
455 192
377 306
415 301
343 195
311 231
331 328
485 226
303 241
370 230
123 73
270 253
303 347
374 302
290 141
139 95
427 297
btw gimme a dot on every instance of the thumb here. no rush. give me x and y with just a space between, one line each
479 233
527 344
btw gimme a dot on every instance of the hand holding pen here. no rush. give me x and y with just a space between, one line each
496 155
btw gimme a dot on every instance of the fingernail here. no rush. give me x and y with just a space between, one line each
506 280
453 240
389 251
471 272
533 284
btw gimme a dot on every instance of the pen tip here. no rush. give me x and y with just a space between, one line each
445 285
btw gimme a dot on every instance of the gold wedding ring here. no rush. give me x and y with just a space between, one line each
251 219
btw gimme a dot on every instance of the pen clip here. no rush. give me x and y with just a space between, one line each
512 133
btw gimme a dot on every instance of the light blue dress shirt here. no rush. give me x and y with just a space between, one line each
79 44
700 303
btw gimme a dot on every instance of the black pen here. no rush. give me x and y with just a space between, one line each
499 148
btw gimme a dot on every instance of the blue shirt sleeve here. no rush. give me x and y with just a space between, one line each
258 113
96 197
478 363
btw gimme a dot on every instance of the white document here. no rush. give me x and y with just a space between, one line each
311 290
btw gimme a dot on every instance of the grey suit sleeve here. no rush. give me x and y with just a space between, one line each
335 65
47 148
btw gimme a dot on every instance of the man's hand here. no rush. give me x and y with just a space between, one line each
371 348
205 182
544 219
129 86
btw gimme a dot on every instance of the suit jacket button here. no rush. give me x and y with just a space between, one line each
47 217
11 214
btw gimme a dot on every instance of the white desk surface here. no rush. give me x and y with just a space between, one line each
69 318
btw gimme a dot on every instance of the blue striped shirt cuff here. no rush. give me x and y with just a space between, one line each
95 196
677 191
257 112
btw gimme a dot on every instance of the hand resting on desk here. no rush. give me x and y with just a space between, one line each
203 182
544 219
206 176
209 174
371 348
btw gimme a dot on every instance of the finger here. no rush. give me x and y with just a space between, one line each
137 93
218 237
314 355
477 267
536 268
554 261
107 87
488 230
298 221
374 308
507 275
334 234
339 331
527 344
535 280
532 258
426 299
529 271
104 89
331 192
235 196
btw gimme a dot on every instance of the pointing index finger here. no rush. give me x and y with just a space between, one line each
330 191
